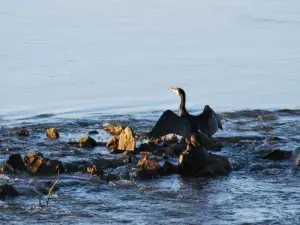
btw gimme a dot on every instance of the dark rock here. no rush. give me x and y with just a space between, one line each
170 140
77 166
52 133
93 132
165 151
217 165
149 168
5 151
278 154
36 163
257 167
8 190
113 143
16 162
147 163
297 157
95 170
87 142
126 140
23 132
196 161
110 177
178 148
168 168
113 129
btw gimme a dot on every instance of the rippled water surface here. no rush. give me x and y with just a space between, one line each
76 65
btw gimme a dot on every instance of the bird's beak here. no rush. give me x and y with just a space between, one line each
172 89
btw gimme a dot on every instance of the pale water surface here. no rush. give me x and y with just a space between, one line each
76 65
74 56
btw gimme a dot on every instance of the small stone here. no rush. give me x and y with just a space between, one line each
8 190
278 154
94 170
23 132
16 162
87 142
113 129
126 140
113 143
147 163
36 163
93 132
110 177
52 133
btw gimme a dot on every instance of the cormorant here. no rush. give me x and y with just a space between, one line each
186 124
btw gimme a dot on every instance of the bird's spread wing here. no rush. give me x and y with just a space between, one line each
169 123
218 118
209 121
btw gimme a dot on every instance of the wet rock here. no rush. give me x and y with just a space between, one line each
95 170
217 165
278 154
237 139
147 147
170 140
169 168
8 190
113 143
52 133
110 177
16 162
87 142
36 164
149 168
165 151
193 160
22 132
257 167
93 132
113 129
296 157
77 166
267 116
178 148
111 162
126 140
5 151
147 163
196 161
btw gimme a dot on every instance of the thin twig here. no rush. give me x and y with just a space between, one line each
52 187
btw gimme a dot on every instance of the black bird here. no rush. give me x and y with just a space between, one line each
186 124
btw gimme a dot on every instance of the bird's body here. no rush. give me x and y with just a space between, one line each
207 121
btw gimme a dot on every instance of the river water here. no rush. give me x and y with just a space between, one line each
62 63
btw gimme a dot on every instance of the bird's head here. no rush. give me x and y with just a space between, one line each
178 91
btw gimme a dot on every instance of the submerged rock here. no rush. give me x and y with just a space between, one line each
110 177
278 154
22 132
52 133
86 142
8 190
16 162
113 129
36 164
